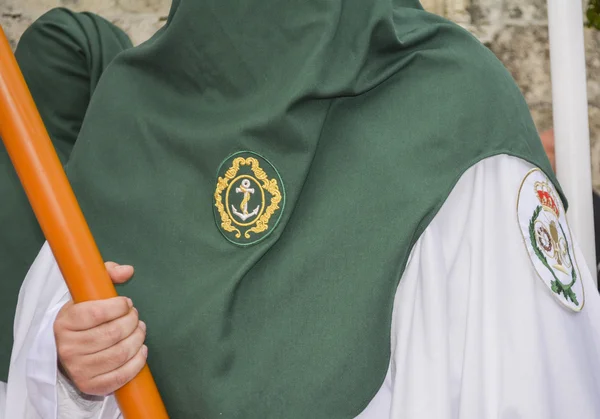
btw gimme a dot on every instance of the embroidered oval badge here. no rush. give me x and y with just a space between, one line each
249 198
548 240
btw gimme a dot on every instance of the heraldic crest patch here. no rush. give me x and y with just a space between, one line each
249 198
548 239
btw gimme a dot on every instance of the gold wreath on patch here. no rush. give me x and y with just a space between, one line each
241 198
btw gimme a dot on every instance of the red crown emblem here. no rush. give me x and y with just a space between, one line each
546 197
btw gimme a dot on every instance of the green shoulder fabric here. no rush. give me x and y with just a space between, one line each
267 166
62 56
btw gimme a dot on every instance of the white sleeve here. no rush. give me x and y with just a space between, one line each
2 399
36 389
476 333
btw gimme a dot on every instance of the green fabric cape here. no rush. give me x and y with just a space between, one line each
62 56
363 114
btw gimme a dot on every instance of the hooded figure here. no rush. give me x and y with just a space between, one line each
61 56
336 209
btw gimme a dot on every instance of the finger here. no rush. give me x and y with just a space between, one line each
89 314
62 319
107 334
65 307
108 383
119 273
115 356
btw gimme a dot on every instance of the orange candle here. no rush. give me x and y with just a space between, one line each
60 217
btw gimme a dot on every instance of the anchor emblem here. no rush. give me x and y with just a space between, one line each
245 189
247 180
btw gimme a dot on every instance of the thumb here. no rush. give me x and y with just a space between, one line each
119 274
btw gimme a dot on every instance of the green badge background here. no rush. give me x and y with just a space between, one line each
231 197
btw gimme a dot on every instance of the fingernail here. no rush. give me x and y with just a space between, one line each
135 309
129 302
145 351
122 267
142 325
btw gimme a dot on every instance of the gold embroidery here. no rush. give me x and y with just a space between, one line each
225 220
261 221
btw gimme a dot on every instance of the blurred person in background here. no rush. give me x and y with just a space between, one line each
62 56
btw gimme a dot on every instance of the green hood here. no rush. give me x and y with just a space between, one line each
62 56
362 115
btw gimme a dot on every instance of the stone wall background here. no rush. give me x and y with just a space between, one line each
139 18
515 30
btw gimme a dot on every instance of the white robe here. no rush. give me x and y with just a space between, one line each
476 333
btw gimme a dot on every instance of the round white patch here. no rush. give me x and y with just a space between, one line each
548 240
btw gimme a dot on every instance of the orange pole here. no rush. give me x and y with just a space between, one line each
60 217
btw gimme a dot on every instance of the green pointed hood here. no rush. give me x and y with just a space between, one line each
267 166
